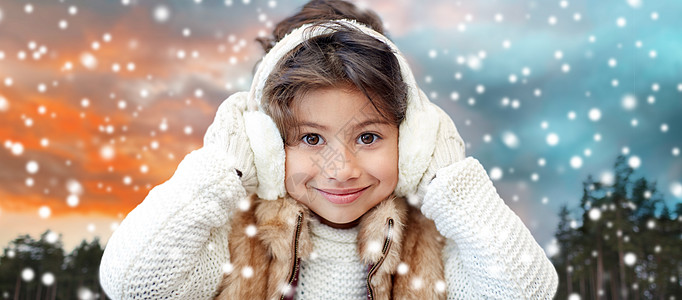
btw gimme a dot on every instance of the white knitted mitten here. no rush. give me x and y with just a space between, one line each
227 132
448 150
495 256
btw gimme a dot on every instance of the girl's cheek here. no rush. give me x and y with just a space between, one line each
299 173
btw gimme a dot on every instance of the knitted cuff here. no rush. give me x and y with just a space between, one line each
449 149
463 200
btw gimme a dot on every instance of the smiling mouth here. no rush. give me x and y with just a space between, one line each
343 196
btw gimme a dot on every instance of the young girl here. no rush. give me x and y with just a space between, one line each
334 177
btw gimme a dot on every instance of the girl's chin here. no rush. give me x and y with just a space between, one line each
338 223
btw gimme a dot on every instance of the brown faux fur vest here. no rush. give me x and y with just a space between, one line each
266 264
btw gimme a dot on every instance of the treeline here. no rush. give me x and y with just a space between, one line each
621 242
40 269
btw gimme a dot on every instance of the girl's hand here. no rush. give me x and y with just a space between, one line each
227 132
451 197
449 149
489 242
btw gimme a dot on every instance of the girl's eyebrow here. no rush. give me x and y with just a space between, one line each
354 128
313 125
370 122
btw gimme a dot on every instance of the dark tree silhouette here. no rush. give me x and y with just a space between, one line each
39 269
622 242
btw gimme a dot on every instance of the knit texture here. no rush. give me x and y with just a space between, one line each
334 269
227 132
449 148
490 253
174 244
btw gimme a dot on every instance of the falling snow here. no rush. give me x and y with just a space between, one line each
629 102
594 214
4 104
44 212
510 139
634 162
247 272
72 200
629 258
32 167
85 294
161 13
552 139
594 114
495 173
576 162
51 237
47 279
27 274
113 112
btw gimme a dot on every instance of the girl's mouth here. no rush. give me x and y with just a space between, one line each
341 196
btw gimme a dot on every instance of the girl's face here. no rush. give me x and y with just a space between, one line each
345 160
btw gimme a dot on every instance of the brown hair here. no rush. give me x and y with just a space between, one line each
317 11
346 57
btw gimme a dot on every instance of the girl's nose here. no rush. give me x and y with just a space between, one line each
344 165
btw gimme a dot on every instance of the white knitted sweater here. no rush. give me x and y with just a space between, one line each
334 269
174 245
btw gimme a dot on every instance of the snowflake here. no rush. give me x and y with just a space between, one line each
251 230
373 247
629 259
634 162
161 14
88 60
51 237
4 104
403 268
48 279
247 272
495 173
676 189
32 167
576 162
85 294
552 139
27 274
594 114
510 140
44 212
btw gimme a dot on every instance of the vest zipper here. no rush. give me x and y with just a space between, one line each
294 267
373 269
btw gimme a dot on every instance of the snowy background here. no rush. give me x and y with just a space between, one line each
100 100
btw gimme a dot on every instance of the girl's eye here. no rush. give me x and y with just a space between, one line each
368 138
312 139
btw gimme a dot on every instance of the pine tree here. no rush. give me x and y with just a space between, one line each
54 274
625 244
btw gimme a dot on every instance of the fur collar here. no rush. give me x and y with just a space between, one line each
390 234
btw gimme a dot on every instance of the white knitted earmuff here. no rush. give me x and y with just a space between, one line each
417 132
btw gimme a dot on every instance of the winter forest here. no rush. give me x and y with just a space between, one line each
620 242
572 107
